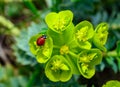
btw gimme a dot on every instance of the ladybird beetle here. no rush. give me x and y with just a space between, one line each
41 40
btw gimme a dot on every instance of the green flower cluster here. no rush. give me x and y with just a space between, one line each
69 49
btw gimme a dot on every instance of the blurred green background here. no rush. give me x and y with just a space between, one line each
21 19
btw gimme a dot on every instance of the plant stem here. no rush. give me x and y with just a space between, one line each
56 46
73 54
112 53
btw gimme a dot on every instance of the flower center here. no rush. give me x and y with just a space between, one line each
58 65
61 23
82 34
86 58
84 67
64 50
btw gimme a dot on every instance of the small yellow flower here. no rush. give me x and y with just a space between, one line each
64 50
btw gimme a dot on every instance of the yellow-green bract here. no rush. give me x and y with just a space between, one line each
83 33
42 53
112 83
100 36
87 61
58 22
58 69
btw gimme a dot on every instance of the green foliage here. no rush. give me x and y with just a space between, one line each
9 26
9 79
60 66
118 48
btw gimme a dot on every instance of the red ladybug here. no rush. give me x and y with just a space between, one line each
41 40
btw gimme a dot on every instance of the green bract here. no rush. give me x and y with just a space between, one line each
83 33
59 21
67 49
60 27
42 53
112 83
87 61
58 69
100 36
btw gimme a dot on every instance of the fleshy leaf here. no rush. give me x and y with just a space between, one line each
58 22
100 36
42 53
58 69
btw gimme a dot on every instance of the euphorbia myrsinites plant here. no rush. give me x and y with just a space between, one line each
66 49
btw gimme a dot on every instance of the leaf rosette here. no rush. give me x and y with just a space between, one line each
42 53
58 69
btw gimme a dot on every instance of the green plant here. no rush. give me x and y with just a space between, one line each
67 49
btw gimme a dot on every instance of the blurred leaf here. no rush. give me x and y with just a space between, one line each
75 0
99 17
111 41
22 40
118 63
36 28
22 81
14 82
2 85
101 66
31 6
112 64
114 24
118 48
13 9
